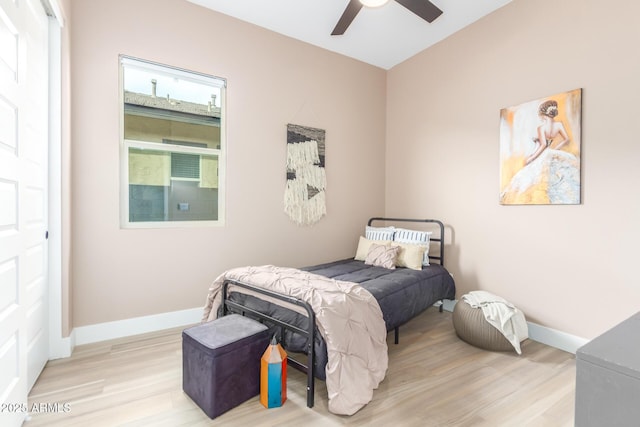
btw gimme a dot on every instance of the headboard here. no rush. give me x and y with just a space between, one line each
439 255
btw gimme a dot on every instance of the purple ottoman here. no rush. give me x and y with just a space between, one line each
221 362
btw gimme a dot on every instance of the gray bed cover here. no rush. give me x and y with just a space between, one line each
401 293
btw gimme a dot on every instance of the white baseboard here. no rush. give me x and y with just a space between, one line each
62 347
140 325
448 304
135 326
542 334
554 338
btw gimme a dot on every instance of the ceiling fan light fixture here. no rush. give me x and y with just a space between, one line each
423 8
374 3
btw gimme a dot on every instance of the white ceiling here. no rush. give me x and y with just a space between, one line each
383 36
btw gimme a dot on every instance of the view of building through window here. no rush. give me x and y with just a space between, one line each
173 145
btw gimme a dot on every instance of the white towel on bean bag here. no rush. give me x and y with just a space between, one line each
502 315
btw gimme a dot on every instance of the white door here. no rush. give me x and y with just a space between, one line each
23 202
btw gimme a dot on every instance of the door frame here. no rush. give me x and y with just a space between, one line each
59 346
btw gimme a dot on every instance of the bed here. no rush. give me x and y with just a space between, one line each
401 294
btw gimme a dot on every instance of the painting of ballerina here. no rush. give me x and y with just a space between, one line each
540 151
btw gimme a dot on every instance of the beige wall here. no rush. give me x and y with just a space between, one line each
272 80
570 268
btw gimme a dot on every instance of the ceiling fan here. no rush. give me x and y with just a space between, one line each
423 8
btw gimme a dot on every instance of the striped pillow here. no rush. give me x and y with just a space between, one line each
403 235
379 233
382 256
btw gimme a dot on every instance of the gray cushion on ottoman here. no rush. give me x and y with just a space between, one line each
221 362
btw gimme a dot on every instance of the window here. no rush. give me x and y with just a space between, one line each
172 151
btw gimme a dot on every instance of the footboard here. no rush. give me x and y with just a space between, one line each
232 306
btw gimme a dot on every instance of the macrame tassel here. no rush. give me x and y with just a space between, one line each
302 154
301 209
313 176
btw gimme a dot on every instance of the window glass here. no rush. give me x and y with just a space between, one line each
173 146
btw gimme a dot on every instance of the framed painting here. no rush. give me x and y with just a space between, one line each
540 151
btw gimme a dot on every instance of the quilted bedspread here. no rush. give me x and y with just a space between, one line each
347 316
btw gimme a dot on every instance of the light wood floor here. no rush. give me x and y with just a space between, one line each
434 379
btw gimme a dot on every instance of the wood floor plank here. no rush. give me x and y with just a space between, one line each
434 379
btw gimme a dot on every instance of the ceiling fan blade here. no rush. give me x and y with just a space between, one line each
347 17
423 8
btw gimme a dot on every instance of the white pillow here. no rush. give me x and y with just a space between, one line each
410 255
404 235
379 233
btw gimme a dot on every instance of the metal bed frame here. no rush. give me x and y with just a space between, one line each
229 306
439 239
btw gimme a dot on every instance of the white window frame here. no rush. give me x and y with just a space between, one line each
126 144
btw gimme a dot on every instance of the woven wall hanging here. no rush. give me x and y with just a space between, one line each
304 196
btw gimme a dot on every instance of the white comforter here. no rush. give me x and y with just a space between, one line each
348 317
